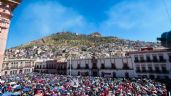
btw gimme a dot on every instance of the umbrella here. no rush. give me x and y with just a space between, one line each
7 94
26 89
16 94
12 83
2 81
16 87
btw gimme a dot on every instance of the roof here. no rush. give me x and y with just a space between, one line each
150 51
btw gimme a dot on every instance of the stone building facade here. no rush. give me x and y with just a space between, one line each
152 63
105 67
17 66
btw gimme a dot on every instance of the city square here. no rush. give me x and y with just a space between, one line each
69 63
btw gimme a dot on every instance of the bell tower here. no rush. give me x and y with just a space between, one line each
6 9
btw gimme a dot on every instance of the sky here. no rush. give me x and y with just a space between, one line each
143 20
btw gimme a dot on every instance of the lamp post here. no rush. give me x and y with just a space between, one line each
70 64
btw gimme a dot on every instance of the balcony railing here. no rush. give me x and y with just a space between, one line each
170 60
144 71
155 60
126 67
165 71
94 67
136 61
138 71
142 60
6 68
151 71
148 60
162 60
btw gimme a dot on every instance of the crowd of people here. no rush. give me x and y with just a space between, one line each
36 84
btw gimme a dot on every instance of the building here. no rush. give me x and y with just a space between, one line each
51 66
6 9
105 67
17 66
152 63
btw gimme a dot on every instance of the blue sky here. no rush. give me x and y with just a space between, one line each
129 19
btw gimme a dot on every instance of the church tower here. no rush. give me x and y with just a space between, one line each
6 9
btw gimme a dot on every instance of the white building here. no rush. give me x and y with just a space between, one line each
105 67
152 63
17 66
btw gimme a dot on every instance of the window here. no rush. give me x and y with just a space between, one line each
169 57
125 66
142 58
157 69
78 66
150 69
87 67
164 69
113 66
148 59
94 65
144 69
137 69
161 58
155 58
136 58
102 66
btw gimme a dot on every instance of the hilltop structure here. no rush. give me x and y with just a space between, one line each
6 9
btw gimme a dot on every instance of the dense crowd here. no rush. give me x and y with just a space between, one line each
36 84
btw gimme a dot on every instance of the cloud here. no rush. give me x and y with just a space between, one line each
137 20
51 17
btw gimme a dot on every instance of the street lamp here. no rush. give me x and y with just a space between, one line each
70 64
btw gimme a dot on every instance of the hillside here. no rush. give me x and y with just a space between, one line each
71 39
63 44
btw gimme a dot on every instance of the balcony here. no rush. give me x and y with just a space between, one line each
102 67
138 71
148 60
162 60
78 67
169 59
144 71
87 67
142 61
126 67
136 61
157 71
165 71
6 68
155 60
151 71
94 67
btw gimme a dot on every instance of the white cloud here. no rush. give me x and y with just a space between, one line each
48 18
137 20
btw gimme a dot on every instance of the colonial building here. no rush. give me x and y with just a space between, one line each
105 67
17 66
6 9
51 66
152 63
